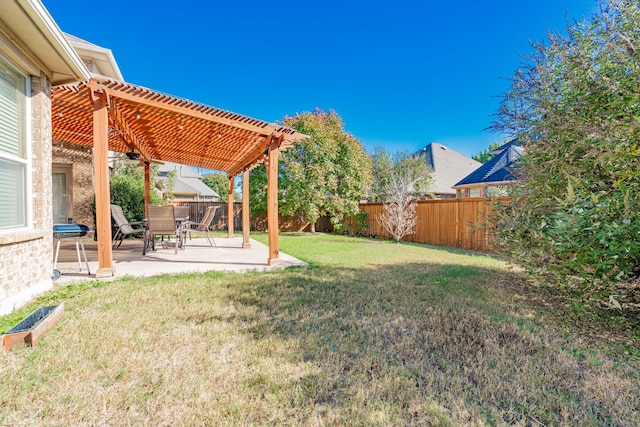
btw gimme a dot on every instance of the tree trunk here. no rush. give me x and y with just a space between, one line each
312 227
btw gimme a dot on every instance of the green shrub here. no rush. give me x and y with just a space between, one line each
573 215
127 191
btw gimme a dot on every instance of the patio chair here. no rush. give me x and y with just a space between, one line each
125 228
161 221
182 212
204 224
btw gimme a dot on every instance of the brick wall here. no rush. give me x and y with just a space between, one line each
27 263
79 158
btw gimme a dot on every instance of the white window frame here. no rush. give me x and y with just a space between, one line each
27 161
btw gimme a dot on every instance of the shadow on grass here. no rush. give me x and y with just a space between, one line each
429 342
407 343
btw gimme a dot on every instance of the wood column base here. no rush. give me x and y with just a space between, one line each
105 272
274 261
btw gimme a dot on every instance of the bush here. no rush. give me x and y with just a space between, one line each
573 216
127 191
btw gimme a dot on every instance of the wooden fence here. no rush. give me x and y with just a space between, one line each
258 220
456 223
197 210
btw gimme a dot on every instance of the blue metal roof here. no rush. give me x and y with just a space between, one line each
498 168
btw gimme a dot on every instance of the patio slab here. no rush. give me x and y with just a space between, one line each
198 256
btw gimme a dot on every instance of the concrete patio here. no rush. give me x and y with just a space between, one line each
198 256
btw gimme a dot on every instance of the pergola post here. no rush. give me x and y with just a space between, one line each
246 222
115 111
100 101
230 224
147 183
272 200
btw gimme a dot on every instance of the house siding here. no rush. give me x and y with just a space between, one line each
27 265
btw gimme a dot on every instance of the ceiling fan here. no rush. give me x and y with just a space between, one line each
133 158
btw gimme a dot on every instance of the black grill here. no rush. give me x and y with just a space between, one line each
61 231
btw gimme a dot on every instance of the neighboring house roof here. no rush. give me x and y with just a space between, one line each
32 26
181 170
449 166
498 169
188 181
99 60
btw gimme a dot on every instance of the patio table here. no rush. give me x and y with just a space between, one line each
180 231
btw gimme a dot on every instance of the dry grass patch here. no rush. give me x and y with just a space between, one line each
372 334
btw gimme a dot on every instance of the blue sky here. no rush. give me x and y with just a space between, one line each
400 74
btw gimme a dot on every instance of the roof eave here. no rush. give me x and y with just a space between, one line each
102 54
75 71
476 184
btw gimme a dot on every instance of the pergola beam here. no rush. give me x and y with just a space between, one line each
201 136
183 107
253 157
128 134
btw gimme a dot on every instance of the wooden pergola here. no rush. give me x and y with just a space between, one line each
115 116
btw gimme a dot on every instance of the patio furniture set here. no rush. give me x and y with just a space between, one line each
162 221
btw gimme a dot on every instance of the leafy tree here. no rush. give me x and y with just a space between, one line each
127 190
381 169
485 155
220 184
415 176
574 104
166 186
325 174
414 170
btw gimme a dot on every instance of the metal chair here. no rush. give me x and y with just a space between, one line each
161 221
182 217
125 228
182 212
204 224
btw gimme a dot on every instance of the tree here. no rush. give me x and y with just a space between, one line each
414 170
381 169
399 215
220 184
413 175
127 190
166 186
575 213
325 174
485 155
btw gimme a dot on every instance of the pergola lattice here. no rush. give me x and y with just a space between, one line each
116 116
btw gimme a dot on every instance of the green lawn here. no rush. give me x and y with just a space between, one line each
371 333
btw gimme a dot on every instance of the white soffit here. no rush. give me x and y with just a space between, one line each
33 31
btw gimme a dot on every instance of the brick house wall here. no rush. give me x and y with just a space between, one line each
79 160
26 260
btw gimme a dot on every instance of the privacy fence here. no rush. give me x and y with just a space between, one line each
258 220
456 223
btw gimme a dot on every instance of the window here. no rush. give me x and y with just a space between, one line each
475 192
13 147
